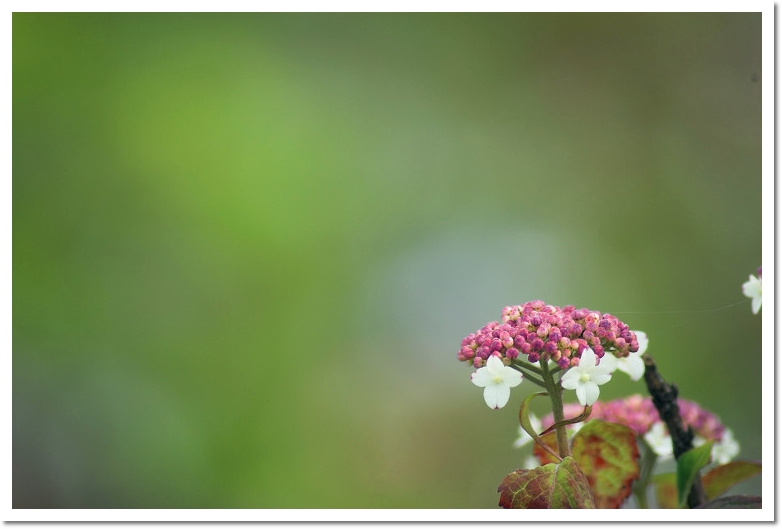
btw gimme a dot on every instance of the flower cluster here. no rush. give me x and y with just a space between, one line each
539 332
754 289
639 414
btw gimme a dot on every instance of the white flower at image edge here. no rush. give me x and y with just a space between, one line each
587 376
633 364
496 378
754 289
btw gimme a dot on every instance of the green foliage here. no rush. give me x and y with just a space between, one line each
688 466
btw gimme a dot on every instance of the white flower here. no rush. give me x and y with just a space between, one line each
633 364
586 376
726 449
524 437
496 379
659 441
753 289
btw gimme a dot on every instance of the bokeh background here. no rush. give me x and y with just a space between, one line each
246 247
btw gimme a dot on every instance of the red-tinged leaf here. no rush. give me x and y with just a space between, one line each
553 486
665 491
720 479
608 455
734 502
543 456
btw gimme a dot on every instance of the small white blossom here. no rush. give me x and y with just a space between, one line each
524 437
753 289
726 449
633 364
496 378
587 376
659 441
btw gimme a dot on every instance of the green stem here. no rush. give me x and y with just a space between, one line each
528 376
529 366
555 393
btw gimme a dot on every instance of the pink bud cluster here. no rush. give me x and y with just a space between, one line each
542 332
639 414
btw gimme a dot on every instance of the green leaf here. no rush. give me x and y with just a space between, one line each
608 455
665 491
734 502
720 479
553 486
688 466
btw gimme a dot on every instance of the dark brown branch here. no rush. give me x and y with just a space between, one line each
664 398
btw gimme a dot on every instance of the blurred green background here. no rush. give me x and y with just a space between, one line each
246 247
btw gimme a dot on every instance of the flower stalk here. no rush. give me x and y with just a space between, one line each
555 393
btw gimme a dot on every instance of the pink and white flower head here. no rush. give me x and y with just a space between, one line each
538 332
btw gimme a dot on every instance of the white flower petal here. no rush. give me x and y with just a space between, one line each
659 441
588 359
482 378
608 362
754 289
599 378
756 303
570 380
490 395
511 377
602 370
643 341
503 395
591 392
726 449
496 395
494 365
633 365
581 393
